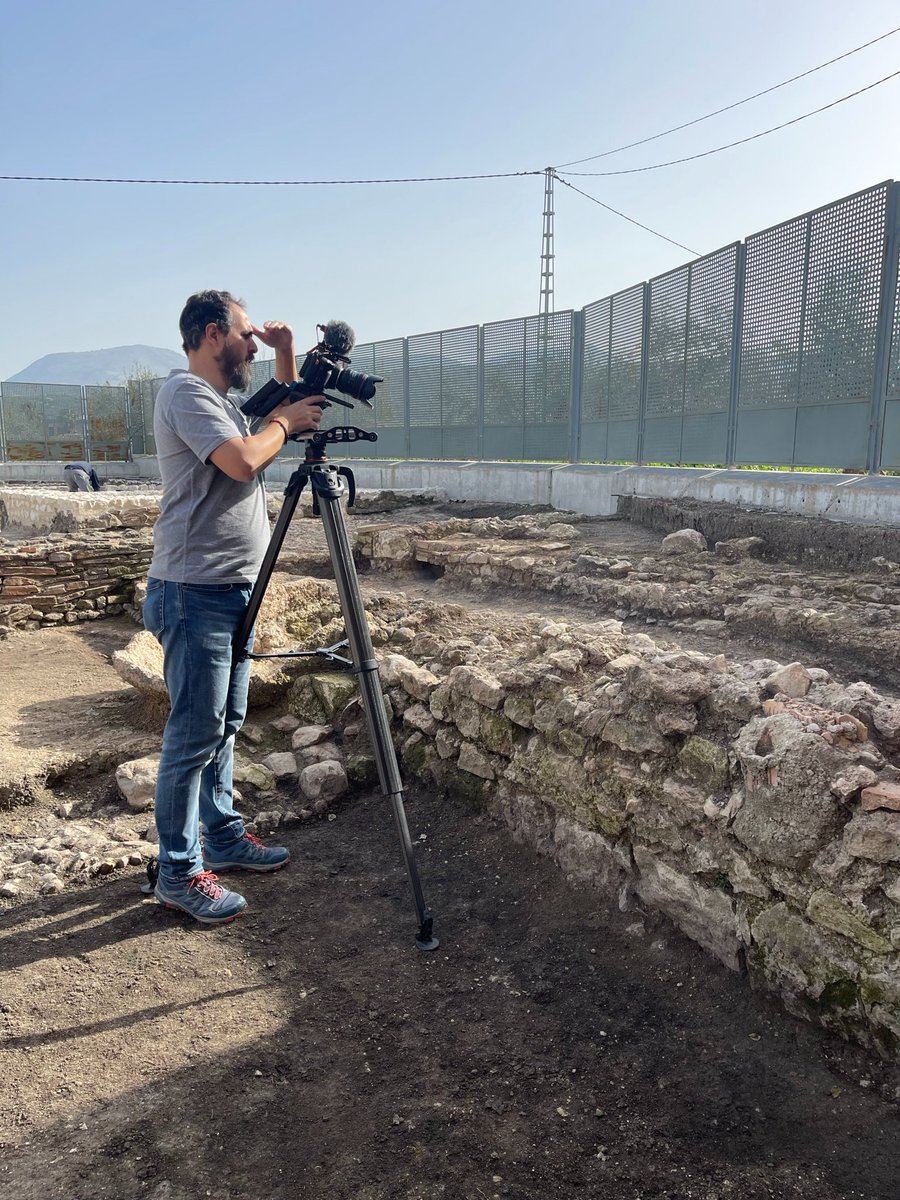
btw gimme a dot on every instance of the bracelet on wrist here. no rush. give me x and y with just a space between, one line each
284 427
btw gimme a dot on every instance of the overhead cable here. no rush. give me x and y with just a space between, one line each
442 178
740 141
609 208
737 103
267 182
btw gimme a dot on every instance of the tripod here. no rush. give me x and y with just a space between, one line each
327 483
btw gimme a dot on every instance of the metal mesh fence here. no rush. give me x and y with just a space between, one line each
107 419
442 385
773 292
149 392
689 364
843 286
43 421
527 387
667 342
893 387
783 349
709 358
625 351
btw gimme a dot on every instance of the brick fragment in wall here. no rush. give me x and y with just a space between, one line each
25 573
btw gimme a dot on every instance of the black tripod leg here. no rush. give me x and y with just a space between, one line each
328 489
295 486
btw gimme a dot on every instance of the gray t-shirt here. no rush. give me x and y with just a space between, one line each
211 528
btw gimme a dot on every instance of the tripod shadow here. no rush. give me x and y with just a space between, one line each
77 923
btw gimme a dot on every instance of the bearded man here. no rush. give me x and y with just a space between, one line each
208 545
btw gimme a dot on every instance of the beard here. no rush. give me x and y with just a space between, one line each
236 370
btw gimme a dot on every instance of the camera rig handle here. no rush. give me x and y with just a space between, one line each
315 445
274 393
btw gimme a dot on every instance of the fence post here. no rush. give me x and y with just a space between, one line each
129 428
44 426
575 394
737 333
884 329
86 426
406 404
479 393
645 371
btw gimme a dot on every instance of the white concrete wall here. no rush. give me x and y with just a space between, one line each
144 467
589 489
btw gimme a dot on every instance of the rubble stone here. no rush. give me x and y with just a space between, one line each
282 764
792 680
825 909
323 781
684 541
136 780
875 836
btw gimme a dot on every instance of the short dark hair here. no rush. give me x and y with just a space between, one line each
202 309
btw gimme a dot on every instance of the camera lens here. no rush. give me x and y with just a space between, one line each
355 383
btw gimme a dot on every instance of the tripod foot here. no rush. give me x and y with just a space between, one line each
425 939
152 876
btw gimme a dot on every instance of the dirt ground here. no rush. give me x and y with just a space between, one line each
551 1047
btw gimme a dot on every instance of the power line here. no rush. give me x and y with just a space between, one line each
266 182
441 178
737 103
741 141
655 232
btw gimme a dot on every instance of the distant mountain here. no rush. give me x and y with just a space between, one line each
100 366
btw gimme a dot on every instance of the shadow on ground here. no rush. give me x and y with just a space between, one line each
552 1047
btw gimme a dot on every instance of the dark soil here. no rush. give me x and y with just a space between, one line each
550 1047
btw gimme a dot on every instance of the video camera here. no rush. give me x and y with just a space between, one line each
325 366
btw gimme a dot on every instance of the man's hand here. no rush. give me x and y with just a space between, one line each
276 335
303 416
280 338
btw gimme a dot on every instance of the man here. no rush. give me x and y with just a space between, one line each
209 541
81 477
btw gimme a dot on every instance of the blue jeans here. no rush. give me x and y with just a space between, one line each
196 625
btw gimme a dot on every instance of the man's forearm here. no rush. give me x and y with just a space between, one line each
286 366
244 458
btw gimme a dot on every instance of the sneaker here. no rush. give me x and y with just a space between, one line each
247 854
201 896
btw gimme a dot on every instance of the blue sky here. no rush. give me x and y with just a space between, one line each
311 91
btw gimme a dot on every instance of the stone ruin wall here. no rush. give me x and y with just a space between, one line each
764 825
75 557
754 804
63 580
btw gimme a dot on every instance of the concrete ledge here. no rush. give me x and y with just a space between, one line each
592 489
142 467
842 497
502 482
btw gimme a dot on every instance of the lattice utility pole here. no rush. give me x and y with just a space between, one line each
542 392
546 305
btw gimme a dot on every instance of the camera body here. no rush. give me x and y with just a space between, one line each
327 365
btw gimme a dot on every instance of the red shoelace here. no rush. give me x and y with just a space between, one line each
207 883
